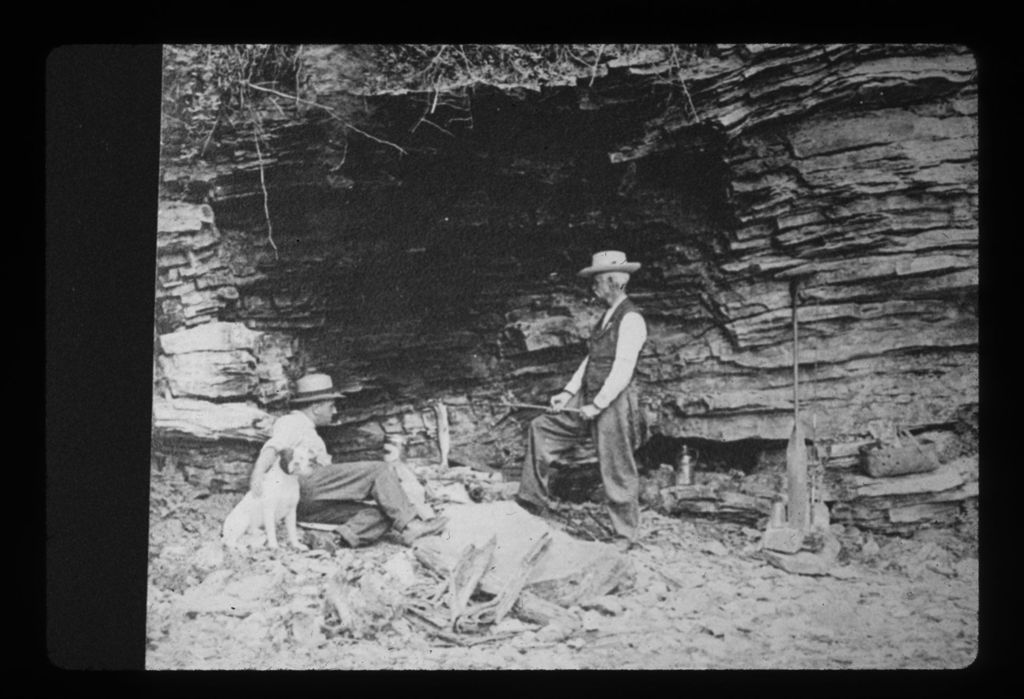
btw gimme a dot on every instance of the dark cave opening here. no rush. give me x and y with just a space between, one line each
410 276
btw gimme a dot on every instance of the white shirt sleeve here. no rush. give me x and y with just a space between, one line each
632 335
576 381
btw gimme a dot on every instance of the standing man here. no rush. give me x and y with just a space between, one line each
334 493
608 412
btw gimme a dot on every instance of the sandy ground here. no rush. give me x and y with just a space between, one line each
702 598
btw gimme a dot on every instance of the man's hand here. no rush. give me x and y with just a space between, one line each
559 400
590 411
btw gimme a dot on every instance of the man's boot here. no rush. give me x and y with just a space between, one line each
418 528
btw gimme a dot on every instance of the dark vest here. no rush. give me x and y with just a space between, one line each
601 349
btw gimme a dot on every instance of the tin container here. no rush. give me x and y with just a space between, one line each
684 467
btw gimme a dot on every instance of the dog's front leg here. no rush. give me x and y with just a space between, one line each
270 524
293 530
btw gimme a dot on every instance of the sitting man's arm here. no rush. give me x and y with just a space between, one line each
263 462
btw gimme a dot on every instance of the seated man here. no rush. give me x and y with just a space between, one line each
333 493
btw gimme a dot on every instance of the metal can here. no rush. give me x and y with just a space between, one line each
778 514
684 468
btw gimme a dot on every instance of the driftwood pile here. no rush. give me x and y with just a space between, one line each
496 562
453 608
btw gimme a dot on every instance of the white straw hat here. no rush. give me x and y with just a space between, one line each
314 387
609 261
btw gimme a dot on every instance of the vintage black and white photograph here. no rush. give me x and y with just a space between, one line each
565 356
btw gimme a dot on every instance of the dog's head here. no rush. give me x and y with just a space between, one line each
297 461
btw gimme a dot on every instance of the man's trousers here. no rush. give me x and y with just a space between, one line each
334 495
615 434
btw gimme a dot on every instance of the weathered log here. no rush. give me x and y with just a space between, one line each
510 593
494 610
465 577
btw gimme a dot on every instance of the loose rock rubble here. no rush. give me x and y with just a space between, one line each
700 596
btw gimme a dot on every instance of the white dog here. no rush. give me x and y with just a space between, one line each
279 500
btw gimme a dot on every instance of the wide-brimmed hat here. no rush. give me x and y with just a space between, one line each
609 261
314 387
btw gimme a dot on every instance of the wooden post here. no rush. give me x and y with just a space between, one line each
798 511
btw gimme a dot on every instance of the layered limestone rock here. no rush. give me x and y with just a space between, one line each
193 283
443 266
219 361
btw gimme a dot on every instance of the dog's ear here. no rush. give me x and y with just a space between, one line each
284 459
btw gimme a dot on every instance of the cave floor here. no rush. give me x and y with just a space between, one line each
702 599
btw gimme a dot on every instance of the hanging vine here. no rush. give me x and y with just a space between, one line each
210 88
